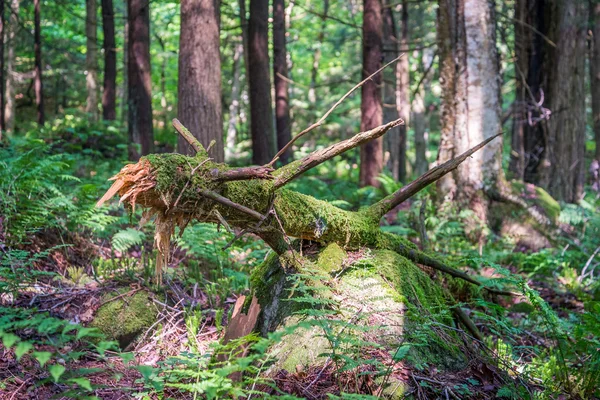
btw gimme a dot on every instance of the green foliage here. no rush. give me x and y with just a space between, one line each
125 239
57 336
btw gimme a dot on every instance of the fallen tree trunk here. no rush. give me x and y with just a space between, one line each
177 189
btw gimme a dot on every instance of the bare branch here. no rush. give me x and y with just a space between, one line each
209 194
243 174
384 206
187 135
324 117
423 259
291 171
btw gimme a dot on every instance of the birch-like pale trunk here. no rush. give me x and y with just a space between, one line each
471 101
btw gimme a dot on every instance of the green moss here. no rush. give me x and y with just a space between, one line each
331 258
427 309
255 194
125 318
548 204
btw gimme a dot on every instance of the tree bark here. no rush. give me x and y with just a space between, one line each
371 154
595 72
548 141
531 65
280 74
234 107
403 93
245 40
139 79
37 49
199 87
419 124
10 107
390 108
2 71
564 169
469 75
91 59
261 112
109 94
312 91
125 101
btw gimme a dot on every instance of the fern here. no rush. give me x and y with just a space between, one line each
125 239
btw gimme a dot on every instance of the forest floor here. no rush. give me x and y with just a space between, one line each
113 377
62 261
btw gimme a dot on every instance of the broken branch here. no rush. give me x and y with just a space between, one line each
384 206
209 194
324 117
243 174
291 171
187 135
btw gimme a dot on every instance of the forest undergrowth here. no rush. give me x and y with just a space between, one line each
81 317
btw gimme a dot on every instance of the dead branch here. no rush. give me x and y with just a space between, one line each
243 174
209 194
384 206
423 259
291 171
324 117
187 135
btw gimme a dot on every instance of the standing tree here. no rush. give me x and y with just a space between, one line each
280 75
403 93
564 167
110 62
469 73
312 90
2 71
37 49
13 26
419 116
91 59
261 113
371 153
549 130
390 108
199 87
234 107
139 80
595 71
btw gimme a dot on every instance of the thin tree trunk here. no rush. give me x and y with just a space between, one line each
199 87
595 71
10 107
2 71
564 169
163 81
244 28
37 49
390 108
419 123
139 79
91 59
312 94
403 94
110 62
125 89
531 69
280 74
469 73
234 107
371 154
261 112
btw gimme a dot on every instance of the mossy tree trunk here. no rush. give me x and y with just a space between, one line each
385 282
